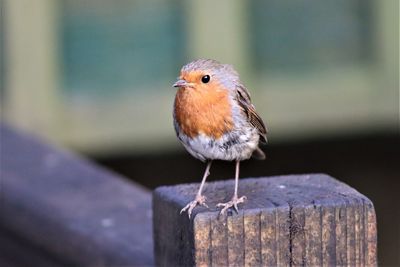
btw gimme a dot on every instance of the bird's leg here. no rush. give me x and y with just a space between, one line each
200 199
235 200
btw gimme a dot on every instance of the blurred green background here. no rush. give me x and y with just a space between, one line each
95 76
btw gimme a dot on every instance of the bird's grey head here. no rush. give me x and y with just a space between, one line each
224 73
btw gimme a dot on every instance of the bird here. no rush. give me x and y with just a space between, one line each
215 119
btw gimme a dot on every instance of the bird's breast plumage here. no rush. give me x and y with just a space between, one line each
203 112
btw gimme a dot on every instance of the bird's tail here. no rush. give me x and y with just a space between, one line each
258 154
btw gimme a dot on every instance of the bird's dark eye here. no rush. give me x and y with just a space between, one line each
205 78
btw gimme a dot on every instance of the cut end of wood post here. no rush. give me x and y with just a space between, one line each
286 220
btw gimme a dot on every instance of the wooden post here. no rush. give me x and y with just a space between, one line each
296 220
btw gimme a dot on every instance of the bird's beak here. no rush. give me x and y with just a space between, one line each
181 83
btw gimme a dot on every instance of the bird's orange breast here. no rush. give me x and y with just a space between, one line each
203 110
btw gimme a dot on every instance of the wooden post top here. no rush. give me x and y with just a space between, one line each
267 192
308 219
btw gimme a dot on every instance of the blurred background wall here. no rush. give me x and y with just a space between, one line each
95 76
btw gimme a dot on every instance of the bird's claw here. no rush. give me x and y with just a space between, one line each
199 200
233 203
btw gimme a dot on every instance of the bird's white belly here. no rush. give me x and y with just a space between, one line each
236 145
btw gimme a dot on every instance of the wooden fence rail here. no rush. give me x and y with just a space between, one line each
57 209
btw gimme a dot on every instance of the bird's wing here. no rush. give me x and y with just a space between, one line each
244 100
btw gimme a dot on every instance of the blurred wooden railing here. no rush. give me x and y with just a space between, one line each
58 209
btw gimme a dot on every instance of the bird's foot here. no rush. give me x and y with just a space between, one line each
233 203
199 200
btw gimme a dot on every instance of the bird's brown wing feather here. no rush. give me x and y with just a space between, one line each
244 101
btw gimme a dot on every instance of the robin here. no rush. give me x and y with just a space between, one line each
214 119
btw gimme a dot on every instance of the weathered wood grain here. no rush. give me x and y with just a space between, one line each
235 239
297 220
